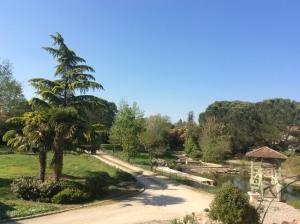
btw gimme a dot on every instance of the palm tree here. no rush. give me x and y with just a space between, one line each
64 122
34 134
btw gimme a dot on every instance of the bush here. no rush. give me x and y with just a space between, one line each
188 219
63 184
197 154
31 188
48 189
172 164
98 183
70 196
231 206
26 188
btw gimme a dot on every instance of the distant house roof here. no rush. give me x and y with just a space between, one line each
266 153
294 127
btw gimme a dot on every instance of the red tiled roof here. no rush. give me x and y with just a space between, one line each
265 152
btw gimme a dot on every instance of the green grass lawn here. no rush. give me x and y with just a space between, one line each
76 167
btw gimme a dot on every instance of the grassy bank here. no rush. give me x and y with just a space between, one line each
77 167
140 158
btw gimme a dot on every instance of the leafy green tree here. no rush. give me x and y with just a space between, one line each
155 138
127 126
12 100
231 206
214 141
191 146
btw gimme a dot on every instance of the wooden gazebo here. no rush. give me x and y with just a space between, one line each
262 174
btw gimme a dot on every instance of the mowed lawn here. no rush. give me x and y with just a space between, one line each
76 167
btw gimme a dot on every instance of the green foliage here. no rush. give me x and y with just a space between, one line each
70 196
110 147
128 124
291 166
254 124
294 203
155 137
12 100
172 164
98 183
26 188
190 146
123 176
214 141
48 189
188 219
30 188
231 206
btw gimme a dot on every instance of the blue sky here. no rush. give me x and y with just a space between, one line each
169 56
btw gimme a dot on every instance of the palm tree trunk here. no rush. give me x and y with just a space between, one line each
43 161
58 156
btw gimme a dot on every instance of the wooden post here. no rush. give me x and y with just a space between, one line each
252 177
278 181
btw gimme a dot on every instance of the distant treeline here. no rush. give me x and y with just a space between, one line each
273 122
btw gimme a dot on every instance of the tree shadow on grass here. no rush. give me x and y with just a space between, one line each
4 209
67 176
5 192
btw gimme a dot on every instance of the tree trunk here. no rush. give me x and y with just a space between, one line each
43 162
58 156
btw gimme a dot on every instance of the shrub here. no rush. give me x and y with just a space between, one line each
197 154
231 206
63 184
70 196
172 164
31 188
26 188
98 183
188 219
48 189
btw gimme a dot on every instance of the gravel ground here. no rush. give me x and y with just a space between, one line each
279 212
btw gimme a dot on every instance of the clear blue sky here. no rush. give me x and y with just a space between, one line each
169 56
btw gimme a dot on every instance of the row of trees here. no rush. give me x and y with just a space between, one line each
61 117
225 128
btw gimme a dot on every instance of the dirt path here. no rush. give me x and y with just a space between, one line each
162 200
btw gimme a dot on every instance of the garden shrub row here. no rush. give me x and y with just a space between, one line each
63 191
